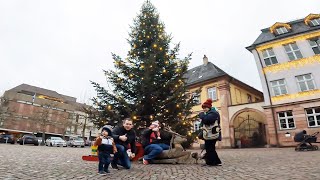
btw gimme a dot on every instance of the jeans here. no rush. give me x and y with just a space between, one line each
104 161
121 157
153 150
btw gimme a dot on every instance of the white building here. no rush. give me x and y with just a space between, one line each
287 57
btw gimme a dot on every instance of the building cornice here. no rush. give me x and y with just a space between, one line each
292 64
292 103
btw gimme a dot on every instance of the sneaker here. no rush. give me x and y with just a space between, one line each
114 166
145 162
102 173
107 171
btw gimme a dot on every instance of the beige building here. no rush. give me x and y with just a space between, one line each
30 109
242 120
287 55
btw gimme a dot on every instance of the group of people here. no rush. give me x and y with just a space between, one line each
121 141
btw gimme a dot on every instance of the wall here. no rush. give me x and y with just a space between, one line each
300 120
239 95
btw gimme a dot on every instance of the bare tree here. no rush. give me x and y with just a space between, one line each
67 123
90 114
5 111
43 115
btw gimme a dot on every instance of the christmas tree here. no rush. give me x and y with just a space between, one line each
148 85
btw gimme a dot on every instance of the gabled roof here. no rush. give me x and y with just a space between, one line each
25 88
210 72
297 27
202 73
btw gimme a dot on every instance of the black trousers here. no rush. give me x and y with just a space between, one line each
211 156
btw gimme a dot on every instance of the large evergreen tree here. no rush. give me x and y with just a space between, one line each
148 85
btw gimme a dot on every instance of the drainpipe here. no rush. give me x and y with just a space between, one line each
271 106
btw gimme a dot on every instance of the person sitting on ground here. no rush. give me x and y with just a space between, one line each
154 142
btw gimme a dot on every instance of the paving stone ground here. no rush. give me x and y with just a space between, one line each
41 162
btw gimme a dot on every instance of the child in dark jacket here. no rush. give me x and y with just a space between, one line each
106 146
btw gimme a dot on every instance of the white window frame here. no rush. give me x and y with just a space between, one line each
196 97
249 97
286 119
315 22
314 115
278 86
293 51
305 82
316 45
196 126
282 30
212 93
269 56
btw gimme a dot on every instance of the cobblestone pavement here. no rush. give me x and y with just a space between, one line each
37 162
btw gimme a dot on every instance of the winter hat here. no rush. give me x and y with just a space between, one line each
207 104
155 123
108 129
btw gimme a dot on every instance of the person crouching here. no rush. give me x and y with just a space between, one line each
106 146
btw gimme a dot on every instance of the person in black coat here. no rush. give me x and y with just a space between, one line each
124 136
209 117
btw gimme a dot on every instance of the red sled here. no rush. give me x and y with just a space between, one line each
90 158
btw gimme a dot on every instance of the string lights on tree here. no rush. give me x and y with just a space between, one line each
148 84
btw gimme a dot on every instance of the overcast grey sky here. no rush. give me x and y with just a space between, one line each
61 45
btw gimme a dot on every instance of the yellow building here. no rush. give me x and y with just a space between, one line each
242 119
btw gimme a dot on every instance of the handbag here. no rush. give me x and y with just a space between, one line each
200 135
211 132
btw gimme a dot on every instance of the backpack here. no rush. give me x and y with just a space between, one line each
211 132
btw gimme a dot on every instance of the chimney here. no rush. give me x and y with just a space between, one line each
205 60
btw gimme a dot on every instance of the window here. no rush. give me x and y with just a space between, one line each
257 99
269 57
305 82
279 87
293 51
196 98
315 22
249 98
196 126
315 45
212 93
281 30
313 116
286 120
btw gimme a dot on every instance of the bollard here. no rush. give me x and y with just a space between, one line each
6 140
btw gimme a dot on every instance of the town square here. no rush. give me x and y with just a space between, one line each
33 162
150 89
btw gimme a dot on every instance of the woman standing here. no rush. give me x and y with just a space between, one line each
209 117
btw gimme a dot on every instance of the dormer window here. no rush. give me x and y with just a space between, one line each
281 30
315 22
312 20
